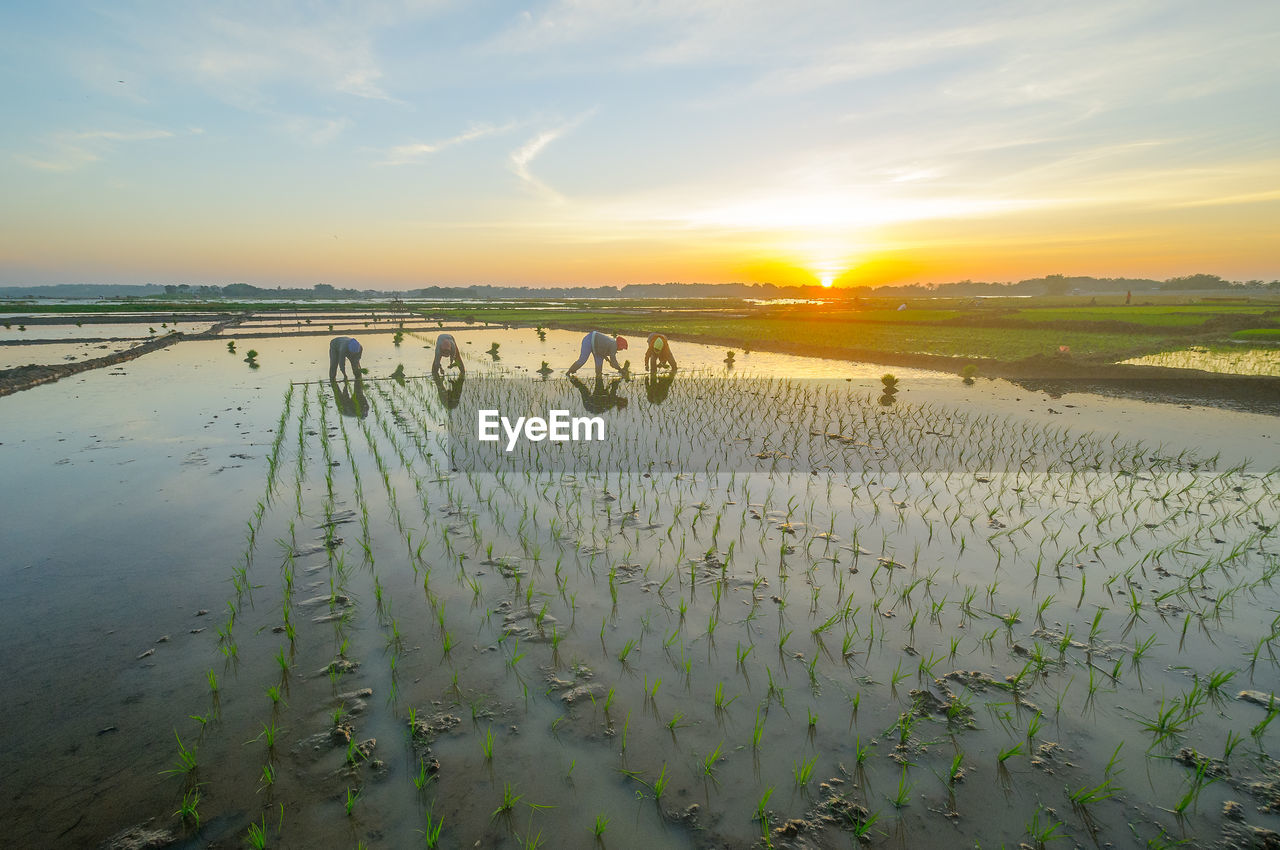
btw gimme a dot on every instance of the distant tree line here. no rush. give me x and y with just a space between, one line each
1054 284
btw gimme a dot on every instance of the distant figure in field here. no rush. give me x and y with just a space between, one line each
599 398
341 350
1128 297
659 354
600 346
449 390
447 346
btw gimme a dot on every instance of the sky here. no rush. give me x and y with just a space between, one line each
581 142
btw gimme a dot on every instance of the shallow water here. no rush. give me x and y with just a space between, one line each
139 505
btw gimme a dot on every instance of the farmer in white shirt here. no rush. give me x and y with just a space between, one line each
600 346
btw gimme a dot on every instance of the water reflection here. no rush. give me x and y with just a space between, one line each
599 398
349 399
656 388
449 390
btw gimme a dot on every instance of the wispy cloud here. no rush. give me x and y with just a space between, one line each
411 154
71 150
523 157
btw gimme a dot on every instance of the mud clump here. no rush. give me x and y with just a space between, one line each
1242 836
426 730
143 836
1194 760
338 666
955 710
1267 701
832 811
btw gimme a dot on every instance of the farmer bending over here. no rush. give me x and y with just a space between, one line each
341 350
659 354
600 346
447 346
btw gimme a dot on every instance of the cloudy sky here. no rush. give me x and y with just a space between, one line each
590 142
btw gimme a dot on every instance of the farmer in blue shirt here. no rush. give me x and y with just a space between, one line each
341 350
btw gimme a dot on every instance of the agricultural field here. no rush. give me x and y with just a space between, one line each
785 603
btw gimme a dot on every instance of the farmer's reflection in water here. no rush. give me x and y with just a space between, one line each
349 402
656 388
599 398
449 389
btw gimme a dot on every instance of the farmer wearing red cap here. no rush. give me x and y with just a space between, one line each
344 349
659 354
600 346
447 346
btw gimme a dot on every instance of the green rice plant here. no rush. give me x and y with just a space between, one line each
189 809
1218 678
353 795
1042 832
626 650
660 784
1140 649
862 829
1033 726
1170 720
904 790
273 693
1005 755
1197 784
186 759
1085 797
1233 741
268 776
956 772
860 751
422 777
601 824
721 704
757 733
709 762
803 770
1257 731
257 834
486 745
431 835
509 800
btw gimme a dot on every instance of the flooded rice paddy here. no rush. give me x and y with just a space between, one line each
774 608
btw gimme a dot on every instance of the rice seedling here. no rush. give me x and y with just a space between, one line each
1043 831
1197 783
509 800
189 809
353 796
903 794
186 764
257 834
803 770
431 834
601 824
1004 755
710 760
